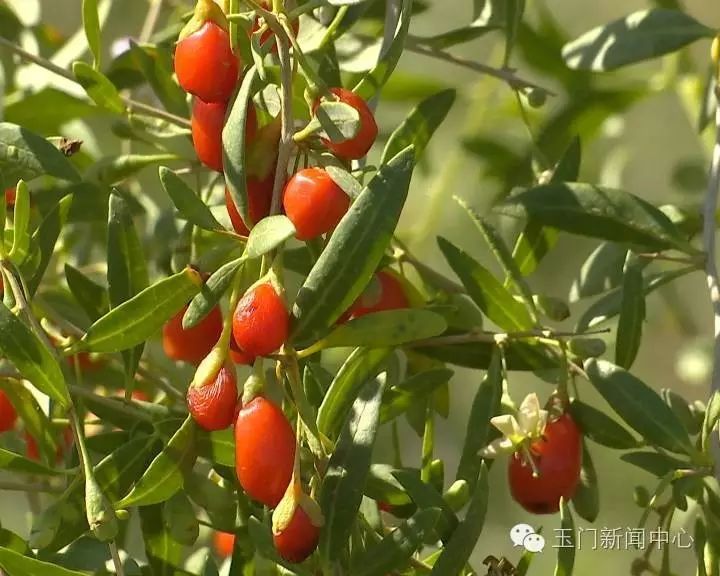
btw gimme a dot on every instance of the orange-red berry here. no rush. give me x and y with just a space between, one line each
205 64
264 451
259 201
223 542
360 144
8 416
193 344
261 321
385 292
314 203
212 404
299 538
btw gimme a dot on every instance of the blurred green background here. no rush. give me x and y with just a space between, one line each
651 149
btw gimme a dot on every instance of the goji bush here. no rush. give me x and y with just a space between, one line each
217 344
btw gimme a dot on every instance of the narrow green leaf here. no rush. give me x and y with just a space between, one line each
15 564
586 500
213 498
234 145
218 446
632 316
394 551
416 388
345 180
268 234
385 329
135 320
362 365
354 251
383 486
127 273
211 292
456 36
457 551
13 462
156 65
338 121
532 245
639 36
604 213
165 475
188 204
518 355
602 271
568 167
12 541
112 170
31 358
376 78
710 421
24 155
654 463
486 404
98 87
164 554
600 428
21 221
638 405
342 488
486 291
566 554
420 125
91 24
425 496
92 297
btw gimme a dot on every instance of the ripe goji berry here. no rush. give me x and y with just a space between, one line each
8 416
314 203
385 292
205 64
10 197
31 447
212 404
238 356
193 344
359 145
207 123
259 201
223 542
557 457
261 321
299 539
264 451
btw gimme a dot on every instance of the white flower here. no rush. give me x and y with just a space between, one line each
529 424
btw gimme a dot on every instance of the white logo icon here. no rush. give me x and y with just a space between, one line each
524 535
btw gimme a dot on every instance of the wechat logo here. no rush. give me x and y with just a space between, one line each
525 536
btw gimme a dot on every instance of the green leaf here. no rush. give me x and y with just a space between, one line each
385 329
188 204
518 355
213 498
654 463
218 446
127 273
416 388
21 221
457 551
16 463
165 475
382 486
362 365
639 36
98 87
600 428
456 36
12 541
486 291
234 145
35 421
156 65
336 121
602 271
267 235
164 554
44 239
31 358
420 125
603 213
710 420
211 292
375 79
354 250
566 554
632 316
394 551
15 564
179 517
345 180
638 405
586 499
24 155
532 245
92 297
137 319
91 24
342 488
114 169
486 404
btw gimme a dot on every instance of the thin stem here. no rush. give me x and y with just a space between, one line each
29 488
305 8
333 27
151 20
711 271
492 337
130 103
119 570
507 75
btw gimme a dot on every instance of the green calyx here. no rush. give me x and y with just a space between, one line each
205 11
100 514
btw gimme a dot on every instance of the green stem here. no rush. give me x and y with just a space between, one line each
428 443
119 570
333 27
29 488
